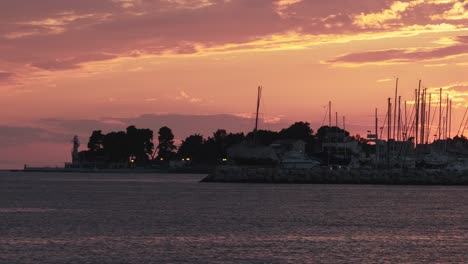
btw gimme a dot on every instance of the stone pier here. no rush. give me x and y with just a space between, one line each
252 174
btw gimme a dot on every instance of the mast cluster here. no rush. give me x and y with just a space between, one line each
418 123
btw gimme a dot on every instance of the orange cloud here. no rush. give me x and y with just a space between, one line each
457 12
405 55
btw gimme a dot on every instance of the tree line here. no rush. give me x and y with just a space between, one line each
136 145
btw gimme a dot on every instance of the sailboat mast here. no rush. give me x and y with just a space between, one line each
329 113
440 111
376 137
421 120
446 118
462 122
443 128
405 137
399 119
336 119
417 112
259 95
389 130
395 107
429 119
464 127
450 120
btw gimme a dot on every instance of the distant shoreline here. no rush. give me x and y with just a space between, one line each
123 171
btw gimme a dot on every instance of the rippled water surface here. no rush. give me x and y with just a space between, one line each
146 218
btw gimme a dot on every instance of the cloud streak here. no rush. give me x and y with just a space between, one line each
405 55
5 75
18 136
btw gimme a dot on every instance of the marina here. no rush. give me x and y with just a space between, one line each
407 155
400 150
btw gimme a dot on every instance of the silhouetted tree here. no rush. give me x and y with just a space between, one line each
264 137
166 147
298 130
215 147
233 139
331 134
140 143
192 147
116 147
211 151
95 143
219 140
301 131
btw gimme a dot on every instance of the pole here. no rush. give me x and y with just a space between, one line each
446 118
389 130
464 127
443 128
395 107
376 137
399 118
429 119
440 111
450 121
462 122
329 114
406 125
415 107
417 112
259 95
336 119
389 120
423 115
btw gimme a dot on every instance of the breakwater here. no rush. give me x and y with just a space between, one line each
323 175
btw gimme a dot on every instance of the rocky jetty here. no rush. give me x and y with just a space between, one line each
250 174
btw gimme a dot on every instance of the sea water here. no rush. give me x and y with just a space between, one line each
162 218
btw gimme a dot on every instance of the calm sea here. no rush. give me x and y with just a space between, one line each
122 218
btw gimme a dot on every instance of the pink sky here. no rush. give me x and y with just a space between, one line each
67 67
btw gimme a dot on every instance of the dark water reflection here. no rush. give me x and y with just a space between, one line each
89 218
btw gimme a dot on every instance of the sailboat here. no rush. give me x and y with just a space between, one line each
250 152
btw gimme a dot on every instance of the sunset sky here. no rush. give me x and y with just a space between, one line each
68 67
